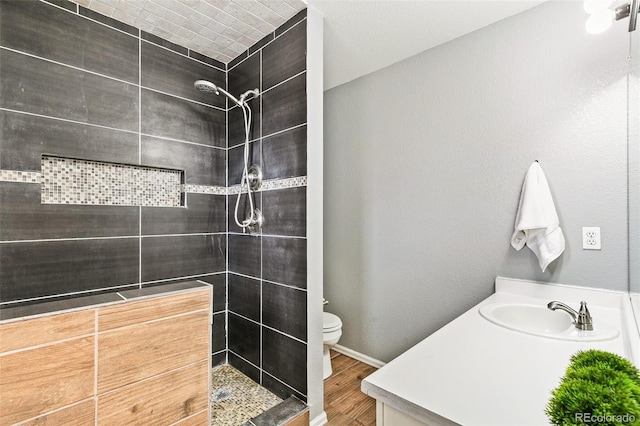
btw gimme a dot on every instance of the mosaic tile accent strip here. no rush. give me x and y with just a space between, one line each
71 181
269 185
19 176
156 177
284 183
236 399
202 189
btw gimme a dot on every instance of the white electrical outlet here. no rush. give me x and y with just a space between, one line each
591 238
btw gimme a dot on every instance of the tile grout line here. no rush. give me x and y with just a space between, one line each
258 323
140 153
226 163
268 281
284 383
262 372
49 117
297 126
100 126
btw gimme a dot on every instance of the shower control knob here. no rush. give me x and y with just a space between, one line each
254 177
255 226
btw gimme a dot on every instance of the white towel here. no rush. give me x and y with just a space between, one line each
537 222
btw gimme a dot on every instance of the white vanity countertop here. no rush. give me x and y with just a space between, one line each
473 372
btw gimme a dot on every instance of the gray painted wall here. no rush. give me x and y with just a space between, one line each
424 162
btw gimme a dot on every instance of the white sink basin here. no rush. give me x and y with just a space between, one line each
541 321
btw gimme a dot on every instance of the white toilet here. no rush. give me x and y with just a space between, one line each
331 332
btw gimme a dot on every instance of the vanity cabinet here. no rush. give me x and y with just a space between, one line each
386 415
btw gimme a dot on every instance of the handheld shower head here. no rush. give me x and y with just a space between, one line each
205 86
254 222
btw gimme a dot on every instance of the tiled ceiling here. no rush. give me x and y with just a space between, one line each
220 29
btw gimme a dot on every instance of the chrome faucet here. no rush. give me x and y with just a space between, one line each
581 319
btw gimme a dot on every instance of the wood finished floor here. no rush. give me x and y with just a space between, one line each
344 403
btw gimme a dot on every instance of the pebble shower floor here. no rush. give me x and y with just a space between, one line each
236 399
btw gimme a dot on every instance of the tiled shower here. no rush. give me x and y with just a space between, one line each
82 88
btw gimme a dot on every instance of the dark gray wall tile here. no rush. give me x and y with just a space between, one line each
24 217
207 60
218 333
285 212
244 367
244 338
41 87
285 309
243 209
172 73
179 256
236 133
285 57
236 161
203 214
284 106
244 296
220 294
45 268
164 43
171 117
285 154
244 254
202 165
245 76
285 358
219 359
284 260
43 30
26 137
280 389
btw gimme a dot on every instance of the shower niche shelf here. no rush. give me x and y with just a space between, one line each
89 182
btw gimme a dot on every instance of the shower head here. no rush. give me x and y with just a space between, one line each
205 86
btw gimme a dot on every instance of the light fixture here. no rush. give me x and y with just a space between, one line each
599 21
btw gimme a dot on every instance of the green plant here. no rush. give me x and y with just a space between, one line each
601 358
598 388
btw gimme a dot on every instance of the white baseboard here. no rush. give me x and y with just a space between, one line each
359 356
319 420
